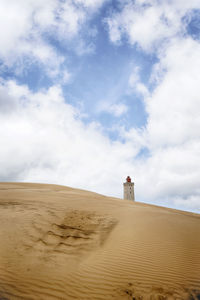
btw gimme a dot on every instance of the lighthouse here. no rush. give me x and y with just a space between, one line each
129 189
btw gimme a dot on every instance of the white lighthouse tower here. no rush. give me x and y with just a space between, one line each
129 189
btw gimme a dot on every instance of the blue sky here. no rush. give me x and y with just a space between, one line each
93 91
99 75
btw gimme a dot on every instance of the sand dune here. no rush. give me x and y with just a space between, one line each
63 243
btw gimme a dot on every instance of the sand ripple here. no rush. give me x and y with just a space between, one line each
62 243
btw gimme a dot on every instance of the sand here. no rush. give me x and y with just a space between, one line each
62 243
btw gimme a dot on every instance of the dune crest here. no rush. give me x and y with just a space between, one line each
62 243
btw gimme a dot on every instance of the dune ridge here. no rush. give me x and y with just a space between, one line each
63 243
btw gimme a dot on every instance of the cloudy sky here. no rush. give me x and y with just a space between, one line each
94 90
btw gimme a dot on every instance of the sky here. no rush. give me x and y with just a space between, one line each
94 90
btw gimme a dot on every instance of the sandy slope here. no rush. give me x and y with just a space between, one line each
62 243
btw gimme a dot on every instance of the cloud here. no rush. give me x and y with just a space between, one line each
91 4
30 26
115 109
192 202
150 23
172 132
43 139
174 106
171 170
135 83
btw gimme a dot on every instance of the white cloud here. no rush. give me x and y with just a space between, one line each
91 3
170 171
116 109
114 29
175 104
66 77
148 23
22 42
135 83
43 139
192 202
172 132
24 24
134 77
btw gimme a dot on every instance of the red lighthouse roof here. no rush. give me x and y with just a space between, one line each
128 179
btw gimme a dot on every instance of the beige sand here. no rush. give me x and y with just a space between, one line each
63 243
